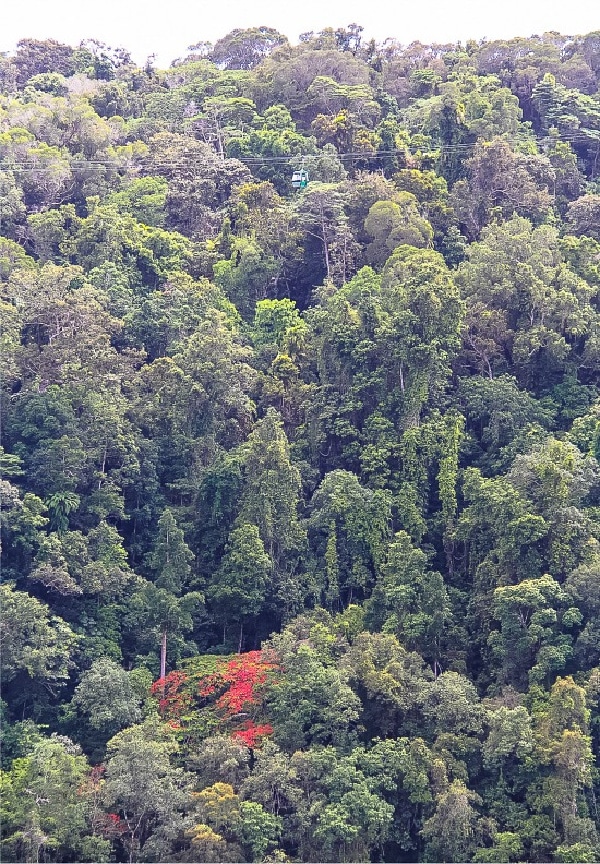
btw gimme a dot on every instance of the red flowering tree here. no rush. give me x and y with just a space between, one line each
174 700
251 734
234 689
239 682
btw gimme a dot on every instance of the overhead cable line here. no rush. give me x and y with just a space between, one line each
21 165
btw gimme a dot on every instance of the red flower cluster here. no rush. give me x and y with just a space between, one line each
242 677
250 735
244 674
173 701
113 826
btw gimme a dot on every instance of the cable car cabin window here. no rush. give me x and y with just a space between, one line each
300 179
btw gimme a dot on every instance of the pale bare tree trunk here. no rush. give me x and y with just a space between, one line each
163 656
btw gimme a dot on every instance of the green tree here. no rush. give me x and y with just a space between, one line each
452 833
349 527
171 557
312 702
391 682
269 500
501 180
530 615
35 644
527 308
411 601
582 217
244 824
160 613
110 697
46 811
245 49
148 792
35 56
420 325
321 215
564 752
394 223
239 587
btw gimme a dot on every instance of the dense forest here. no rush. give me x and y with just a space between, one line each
300 485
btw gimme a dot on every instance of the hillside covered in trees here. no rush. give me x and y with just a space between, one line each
300 486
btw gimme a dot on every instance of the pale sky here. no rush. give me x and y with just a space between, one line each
167 27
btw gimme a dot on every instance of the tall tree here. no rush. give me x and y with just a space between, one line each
148 792
269 500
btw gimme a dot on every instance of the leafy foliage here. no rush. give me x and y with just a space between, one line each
322 463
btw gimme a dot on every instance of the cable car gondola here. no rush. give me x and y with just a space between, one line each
300 179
